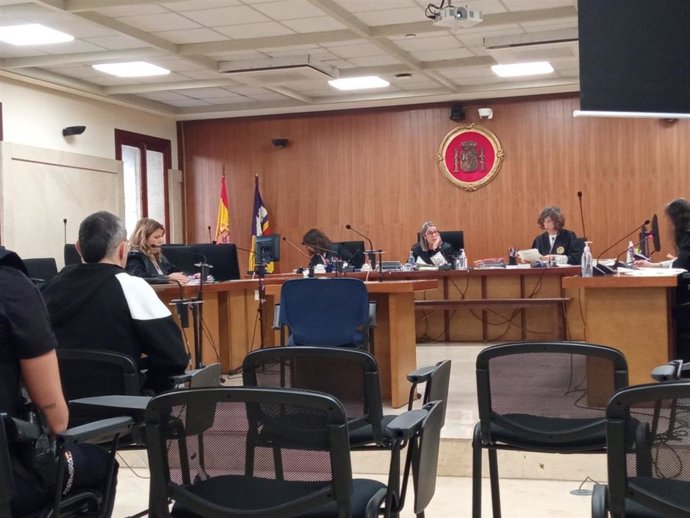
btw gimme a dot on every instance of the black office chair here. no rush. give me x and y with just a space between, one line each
648 434
71 255
272 453
542 397
326 312
91 502
437 380
41 269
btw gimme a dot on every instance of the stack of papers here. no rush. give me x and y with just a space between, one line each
651 272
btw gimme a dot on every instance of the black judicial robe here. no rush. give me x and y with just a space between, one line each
566 243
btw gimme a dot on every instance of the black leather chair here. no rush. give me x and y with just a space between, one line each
274 453
648 453
91 502
41 269
542 397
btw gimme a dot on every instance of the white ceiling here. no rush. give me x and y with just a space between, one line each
355 37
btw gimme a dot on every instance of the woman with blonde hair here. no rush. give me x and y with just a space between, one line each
146 257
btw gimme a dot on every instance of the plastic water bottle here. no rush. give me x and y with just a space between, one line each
461 260
630 258
587 270
410 264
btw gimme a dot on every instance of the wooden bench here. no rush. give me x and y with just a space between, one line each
484 304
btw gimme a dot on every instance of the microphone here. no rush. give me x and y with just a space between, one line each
371 254
210 239
646 222
582 216
64 225
293 245
321 249
640 242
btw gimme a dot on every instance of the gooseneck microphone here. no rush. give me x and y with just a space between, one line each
64 230
582 216
640 242
646 222
371 253
210 239
293 245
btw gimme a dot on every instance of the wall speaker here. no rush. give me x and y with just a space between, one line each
280 142
456 113
73 130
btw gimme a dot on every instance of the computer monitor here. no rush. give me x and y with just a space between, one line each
223 258
351 252
454 237
267 248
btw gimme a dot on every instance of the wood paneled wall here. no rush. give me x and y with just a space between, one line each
377 171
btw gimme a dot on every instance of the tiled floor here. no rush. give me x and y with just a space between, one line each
521 497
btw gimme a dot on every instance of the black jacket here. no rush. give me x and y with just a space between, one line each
683 260
139 265
100 306
446 250
566 243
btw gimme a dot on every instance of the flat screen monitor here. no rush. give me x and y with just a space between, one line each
454 237
634 56
267 248
351 251
223 258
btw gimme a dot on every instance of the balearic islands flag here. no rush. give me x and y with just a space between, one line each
260 226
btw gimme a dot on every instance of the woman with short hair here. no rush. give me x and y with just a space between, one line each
557 244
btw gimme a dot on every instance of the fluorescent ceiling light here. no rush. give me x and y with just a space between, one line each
358 83
32 34
630 115
132 69
522 69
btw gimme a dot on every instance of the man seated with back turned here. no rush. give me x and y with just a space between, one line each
98 305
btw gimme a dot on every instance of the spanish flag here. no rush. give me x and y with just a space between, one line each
260 226
223 220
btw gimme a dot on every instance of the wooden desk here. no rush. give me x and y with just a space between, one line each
632 314
395 347
230 311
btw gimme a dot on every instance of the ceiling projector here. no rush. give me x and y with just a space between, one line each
457 17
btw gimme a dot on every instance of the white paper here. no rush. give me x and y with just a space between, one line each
530 255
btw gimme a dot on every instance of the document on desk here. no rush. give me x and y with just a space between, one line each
651 272
530 255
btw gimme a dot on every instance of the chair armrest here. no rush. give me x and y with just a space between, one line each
421 375
98 431
407 424
372 313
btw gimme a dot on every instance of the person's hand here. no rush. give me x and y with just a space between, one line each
544 258
521 260
437 242
178 277
642 263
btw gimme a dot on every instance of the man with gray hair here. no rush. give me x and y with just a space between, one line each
98 305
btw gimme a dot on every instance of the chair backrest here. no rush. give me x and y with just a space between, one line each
43 268
548 392
262 449
87 373
454 237
332 312
71 255
349 375
648 450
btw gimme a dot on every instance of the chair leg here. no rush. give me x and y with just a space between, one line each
476 474
493 475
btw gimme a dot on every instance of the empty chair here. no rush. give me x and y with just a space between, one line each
543 397
350 375
648 453
325 312
41 269
436 379
273 453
